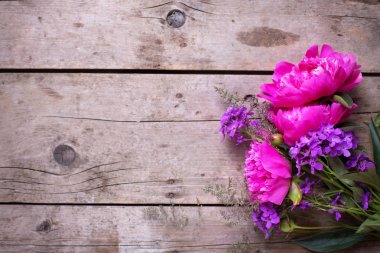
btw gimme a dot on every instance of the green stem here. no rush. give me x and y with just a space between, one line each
316 228
330 171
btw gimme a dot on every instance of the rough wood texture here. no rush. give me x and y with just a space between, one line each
137 97
134 229
170 157
217 35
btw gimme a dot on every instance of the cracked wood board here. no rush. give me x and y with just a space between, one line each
217 35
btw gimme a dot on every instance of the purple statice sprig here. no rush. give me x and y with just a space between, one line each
235 122
267 218
327 141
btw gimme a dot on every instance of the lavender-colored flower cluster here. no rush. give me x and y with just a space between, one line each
359 162
328 141
233 121
266 218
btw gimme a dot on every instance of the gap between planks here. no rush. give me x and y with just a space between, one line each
152 71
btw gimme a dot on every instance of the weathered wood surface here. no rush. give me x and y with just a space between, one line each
217 35
134 229
157 143
138 97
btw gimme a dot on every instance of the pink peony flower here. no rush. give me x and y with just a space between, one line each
268 173
296 122
314 77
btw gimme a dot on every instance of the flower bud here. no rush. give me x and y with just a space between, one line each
287 225
295 193
277 139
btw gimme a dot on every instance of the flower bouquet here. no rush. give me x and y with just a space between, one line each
303 154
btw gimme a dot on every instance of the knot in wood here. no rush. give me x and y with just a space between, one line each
44 227
176 18
64 155
170 195
171 181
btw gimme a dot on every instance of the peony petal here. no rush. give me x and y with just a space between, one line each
280 188
281 69
274 162
354 79
269 88
326 51
339 113
297 122
318 86
312 52
267 97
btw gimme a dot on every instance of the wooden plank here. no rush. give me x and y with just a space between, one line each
217 35
118 162
133 229
169 157
137 97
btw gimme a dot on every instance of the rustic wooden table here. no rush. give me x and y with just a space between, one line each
109 119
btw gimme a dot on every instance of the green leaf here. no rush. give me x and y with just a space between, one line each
331 241
338 167
377 120
369 178
349 126
344 99
375 145
358 193
370 224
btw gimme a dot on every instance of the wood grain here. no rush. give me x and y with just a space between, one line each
131 146
134 229
138 97
217 35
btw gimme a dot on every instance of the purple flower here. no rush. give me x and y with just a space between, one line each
266 218
328 141
359 162
337 213
336 201
233 121
305 204
308 186
365 199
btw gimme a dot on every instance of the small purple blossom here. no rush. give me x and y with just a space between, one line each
266 218
359 162
308 186
365 199
305 204
336 201
337 213
328 141
233 121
